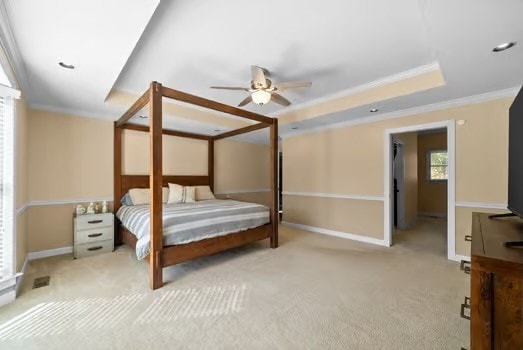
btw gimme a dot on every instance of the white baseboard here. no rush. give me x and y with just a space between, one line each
340 234
433 215
47 253
7 297
501 206
457 257
7 289
20 279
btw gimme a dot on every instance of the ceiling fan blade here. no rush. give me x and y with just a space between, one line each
229 88
246 101
293 85
258 77
279 99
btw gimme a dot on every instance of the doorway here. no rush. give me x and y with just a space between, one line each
404 180
398 180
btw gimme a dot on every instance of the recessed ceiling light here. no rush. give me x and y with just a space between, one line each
374 110
143 116
217 130
504 46
294 128
64 65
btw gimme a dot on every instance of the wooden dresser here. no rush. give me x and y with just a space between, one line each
496 303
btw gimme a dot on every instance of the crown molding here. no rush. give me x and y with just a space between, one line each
434 66
74 112
10 48
173 101
474 99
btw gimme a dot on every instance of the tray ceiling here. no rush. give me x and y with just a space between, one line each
348 49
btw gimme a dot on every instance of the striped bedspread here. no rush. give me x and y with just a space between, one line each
185 223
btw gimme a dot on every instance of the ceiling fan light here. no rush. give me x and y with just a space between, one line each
261 97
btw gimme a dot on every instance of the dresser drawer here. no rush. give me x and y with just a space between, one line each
89 222
95 235
88 249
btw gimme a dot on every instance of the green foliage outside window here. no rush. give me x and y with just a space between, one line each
438 165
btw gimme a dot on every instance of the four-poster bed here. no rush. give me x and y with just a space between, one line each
159 255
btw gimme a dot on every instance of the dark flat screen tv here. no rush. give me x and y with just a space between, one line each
515 156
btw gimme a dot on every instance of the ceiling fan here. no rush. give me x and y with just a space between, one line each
263 90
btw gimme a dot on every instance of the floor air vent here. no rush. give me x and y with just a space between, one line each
41 282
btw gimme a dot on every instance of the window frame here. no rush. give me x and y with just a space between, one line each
9 275
428 165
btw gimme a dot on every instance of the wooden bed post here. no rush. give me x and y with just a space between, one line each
160 256
274 183
210 167
155 185
117 170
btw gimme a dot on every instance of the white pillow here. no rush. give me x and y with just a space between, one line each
204 193
143 196
181 194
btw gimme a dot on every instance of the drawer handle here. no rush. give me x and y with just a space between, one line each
95 221
465 266
94 248
462 313
92 235
468 238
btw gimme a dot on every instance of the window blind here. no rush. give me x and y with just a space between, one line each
6 187
2 226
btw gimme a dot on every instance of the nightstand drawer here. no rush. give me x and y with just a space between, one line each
98 234
89 222
82 250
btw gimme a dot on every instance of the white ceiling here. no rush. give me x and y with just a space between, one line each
96 36
336 44
191 45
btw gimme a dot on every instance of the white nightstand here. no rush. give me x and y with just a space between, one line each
93 234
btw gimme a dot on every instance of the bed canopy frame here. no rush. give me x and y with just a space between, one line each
161 256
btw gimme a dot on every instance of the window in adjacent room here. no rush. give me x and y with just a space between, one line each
437 165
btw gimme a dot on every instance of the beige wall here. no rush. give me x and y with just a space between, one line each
181 156
345 215
350 161
252 197
21 181
410 165
71 158
241 166
432 195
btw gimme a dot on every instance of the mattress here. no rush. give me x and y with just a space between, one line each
190 222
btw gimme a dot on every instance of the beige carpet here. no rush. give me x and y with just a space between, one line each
429 236
314 292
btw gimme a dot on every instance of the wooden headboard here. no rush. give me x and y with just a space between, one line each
142 181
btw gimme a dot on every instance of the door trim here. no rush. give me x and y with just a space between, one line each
451 182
